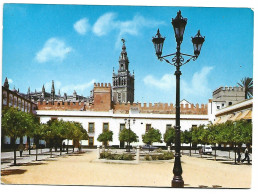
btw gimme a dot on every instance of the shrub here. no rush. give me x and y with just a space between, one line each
128 157
159 150
109 156
105 154
147 157
168 155
154 157
161 157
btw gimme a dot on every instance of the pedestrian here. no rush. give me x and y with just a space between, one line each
246 156
238 156
63 146
21 148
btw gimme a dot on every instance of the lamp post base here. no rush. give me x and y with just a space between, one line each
177 183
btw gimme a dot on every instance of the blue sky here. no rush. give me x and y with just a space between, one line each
77 45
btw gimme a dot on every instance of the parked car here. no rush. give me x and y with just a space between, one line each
149 147
207 149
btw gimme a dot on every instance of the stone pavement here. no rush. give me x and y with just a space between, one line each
81 169
7 158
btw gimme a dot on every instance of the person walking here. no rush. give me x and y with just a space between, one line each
21 148
238 155
246 156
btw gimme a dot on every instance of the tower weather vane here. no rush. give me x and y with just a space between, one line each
123 40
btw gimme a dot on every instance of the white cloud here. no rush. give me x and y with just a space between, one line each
195 90
104 24
199 85
10 81
53 49
69 89
80 88
165 83
82 26
108 22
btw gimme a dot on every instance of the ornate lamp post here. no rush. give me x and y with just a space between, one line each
178 24
129 128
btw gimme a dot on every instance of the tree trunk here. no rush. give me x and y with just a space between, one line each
29 144
36 150
51 151
67 146
61 148
14 151
215 152
190 149
235 154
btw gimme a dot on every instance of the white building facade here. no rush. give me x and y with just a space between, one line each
94 122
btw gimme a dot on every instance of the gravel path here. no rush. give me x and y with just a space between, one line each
81 169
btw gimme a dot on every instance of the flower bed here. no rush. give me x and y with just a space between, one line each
110 156
159 156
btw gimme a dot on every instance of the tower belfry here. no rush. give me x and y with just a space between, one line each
123 81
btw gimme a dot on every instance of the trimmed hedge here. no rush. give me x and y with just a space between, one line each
109 156
164 156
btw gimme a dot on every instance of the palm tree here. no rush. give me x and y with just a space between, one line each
247 83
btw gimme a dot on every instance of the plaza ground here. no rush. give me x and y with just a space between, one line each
84 169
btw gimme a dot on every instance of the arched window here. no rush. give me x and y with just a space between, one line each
29 107
19 104
22 105
15 101
4 98
25 110
10 100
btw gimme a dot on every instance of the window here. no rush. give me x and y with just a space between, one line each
230 103
91 141
68 103
15 101
58 104
218 107
10 100
22 105
122 126
4 98
91 128
105 126
25 107
223 104
148 126
168 126
19 104
62 102
193 126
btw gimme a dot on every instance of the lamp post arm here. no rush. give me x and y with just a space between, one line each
168 55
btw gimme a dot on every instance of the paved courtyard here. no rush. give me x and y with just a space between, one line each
83 169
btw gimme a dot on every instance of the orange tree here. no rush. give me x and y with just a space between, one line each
152 135
169 136
127 135
79 133
187 137
105 137
14 124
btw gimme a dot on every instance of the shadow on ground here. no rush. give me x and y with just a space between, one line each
12 172
29 164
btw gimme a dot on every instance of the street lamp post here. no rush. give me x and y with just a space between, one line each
129 128
178 24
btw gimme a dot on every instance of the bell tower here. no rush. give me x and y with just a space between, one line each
123 81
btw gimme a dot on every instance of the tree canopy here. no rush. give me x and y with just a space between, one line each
127 135
152 135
